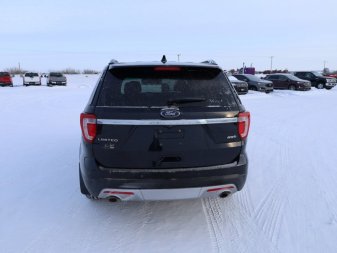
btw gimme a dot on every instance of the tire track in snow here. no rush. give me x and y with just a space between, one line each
241 231
214 221
147 214
269 213
110 226
246 200
327 187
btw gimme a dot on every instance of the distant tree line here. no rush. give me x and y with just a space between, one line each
68 71
15 71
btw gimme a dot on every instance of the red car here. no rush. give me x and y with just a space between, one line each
5 79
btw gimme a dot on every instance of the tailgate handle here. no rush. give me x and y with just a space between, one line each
167 159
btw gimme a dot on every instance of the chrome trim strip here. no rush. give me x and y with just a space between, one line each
149 107
162 122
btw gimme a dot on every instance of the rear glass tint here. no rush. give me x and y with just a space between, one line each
157 86
56 74
31 74
4 74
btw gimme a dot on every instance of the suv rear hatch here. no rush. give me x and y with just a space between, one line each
31 78
166 117
57 78
5 78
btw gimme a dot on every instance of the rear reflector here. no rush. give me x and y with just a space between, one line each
243 124
118 192
88 126
220 189
167 69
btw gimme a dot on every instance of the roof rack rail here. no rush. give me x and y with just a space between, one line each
210 62
113 61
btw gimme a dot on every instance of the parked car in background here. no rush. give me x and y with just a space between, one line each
5 79
317 79
241 87
162 131
31 78
288 81
56 78
256 83
332 75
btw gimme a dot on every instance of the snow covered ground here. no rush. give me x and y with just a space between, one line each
289 203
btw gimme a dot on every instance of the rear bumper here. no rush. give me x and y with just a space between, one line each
98 179
167 194
57 83
32 83
241 89
6 84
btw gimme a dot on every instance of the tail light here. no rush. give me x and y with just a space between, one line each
7 79
243 124
167 68
88 126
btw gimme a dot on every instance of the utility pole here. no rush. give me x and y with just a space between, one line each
19 67
324 64
178 57
271 63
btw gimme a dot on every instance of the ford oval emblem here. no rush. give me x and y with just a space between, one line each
170 113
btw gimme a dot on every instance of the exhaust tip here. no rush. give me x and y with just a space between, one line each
114 199
224 194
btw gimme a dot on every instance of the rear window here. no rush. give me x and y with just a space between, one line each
159 86
4 74
56 74
31 74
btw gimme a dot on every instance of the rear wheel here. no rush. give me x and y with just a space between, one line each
292 87
320 86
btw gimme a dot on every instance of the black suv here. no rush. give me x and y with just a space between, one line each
317 79
156 131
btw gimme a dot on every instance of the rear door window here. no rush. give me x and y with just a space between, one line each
159 86
283 78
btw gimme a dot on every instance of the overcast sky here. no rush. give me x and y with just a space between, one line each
51 35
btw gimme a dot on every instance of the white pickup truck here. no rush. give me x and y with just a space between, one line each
31 78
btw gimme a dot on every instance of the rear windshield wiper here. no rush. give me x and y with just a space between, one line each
185 100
